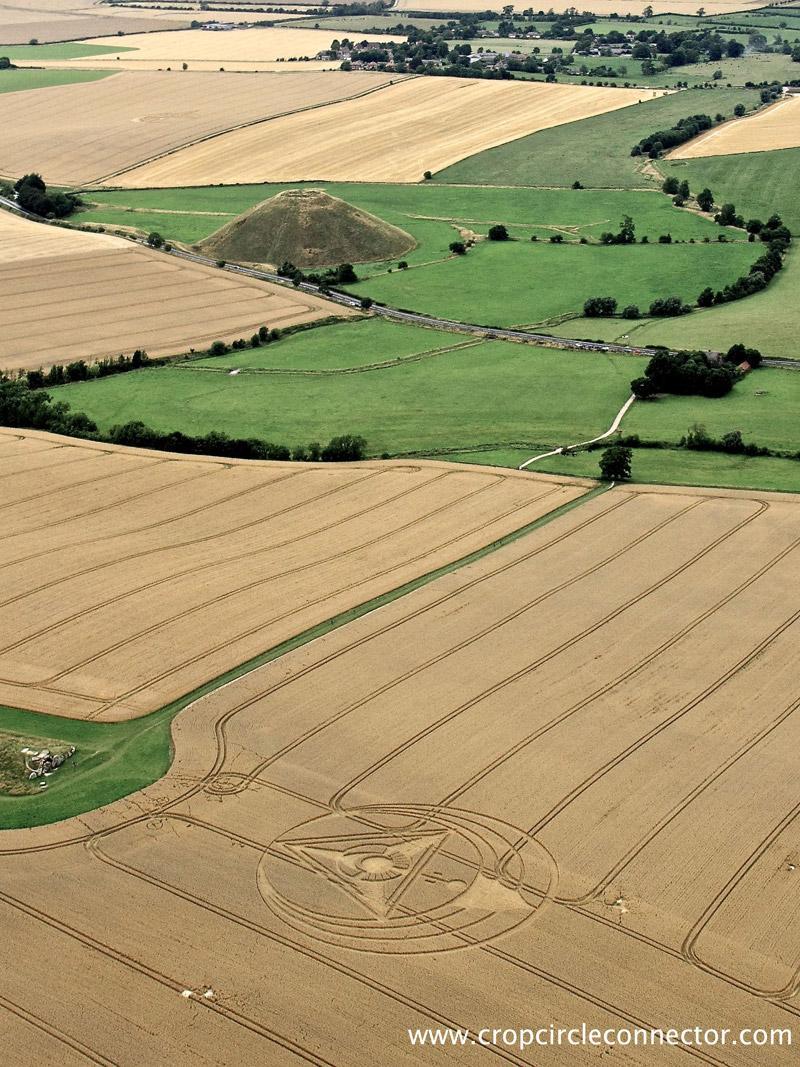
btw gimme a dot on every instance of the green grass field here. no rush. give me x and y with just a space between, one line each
534 281
429 211
764 407
767 321
482 394
520 283
759 183
17 81
340 346
112 760
64 50
662 467
596 150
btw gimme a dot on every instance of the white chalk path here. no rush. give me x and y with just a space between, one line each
582 444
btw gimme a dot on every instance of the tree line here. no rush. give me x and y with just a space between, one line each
35 409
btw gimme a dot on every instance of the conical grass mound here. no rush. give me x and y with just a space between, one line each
309 228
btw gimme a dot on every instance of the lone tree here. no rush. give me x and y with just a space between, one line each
498 233
615 464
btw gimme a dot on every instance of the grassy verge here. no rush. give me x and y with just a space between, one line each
115 759
661 467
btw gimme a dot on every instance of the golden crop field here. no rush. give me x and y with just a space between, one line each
394 135
62 20
255 48
111 125
106 295
558 786
597 7
777 126
189 567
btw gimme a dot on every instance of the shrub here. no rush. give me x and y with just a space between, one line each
599 307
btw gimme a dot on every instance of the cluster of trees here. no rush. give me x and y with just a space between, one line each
625 236
35 409
341 275
698 440
615 464
685 374
33 197
599 307
683 130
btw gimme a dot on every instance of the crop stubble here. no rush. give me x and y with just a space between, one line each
552 781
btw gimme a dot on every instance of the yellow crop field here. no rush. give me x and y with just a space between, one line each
255 48
106 295
556 788
395 135
175 585
111 125
777 126
63 20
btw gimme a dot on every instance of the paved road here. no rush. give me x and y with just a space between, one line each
346 300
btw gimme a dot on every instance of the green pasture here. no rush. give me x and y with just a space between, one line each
767 321
25 78
523 283
340 346
112 760
763 406
759 183
596 150
65 50
489 392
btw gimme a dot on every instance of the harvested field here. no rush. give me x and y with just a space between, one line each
240 49
598 7
395 135
188 567
774 127
391 828
106 296
135 116
65 20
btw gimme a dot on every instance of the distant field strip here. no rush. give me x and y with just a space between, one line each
105 296
134 116
181 568
597 7
775 127
240 49
395 135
